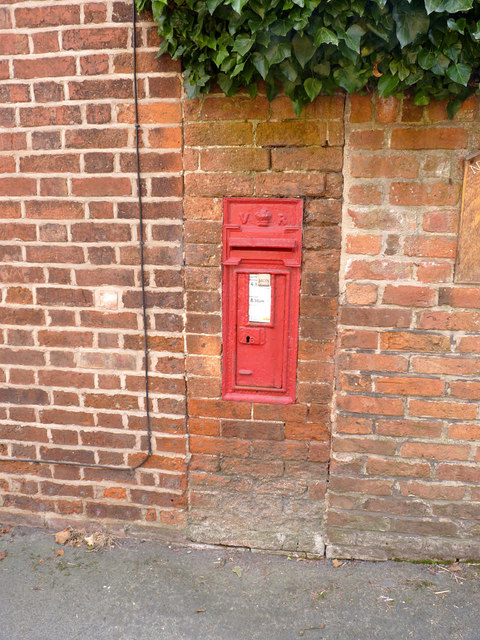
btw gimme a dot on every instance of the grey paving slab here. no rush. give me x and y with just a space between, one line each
150 591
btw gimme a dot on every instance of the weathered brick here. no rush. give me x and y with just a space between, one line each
306 159
23 396
364 244
34 17
13 44
393 468
95 89
435 451
218 134
49 116
100 187
429 138
411 341
387 109
378 270
95 38
418 194
392 166
430 246
45 67
45 41
446 365
96 138
458 410
409 296
299 133
361 294
375 317
367 139
410 386
371 404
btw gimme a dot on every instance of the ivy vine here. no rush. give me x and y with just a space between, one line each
308 47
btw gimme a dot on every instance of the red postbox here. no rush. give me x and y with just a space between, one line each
262 253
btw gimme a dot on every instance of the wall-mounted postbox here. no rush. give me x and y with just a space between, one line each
262 253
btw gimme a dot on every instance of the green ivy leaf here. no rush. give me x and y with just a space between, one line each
252 89
454 52
476 33
162 48
452 6
261 64
347 77
237 69
421 99
322 69
452 107
347 52
411 21
243 44
271 89
414 77
449 6
426 59
192 90
277 52
304 49
325 36
298 104
289 70
238 5
434 5
387 85
224 82
212 5
158 8
221 55
457 25
312 86
459 73
258 7
353 35
440 65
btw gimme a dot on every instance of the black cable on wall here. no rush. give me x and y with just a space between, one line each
144 296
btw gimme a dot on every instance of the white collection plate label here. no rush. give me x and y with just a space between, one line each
259 298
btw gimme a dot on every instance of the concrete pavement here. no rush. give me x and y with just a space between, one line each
152 591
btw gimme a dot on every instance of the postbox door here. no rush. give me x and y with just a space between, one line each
261 330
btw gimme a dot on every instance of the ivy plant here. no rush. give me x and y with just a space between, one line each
308 47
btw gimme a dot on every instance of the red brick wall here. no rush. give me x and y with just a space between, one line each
403 476
72 385
258 472
405 468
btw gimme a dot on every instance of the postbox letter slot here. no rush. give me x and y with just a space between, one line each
263 243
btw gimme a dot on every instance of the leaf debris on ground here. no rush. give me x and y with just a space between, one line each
93 542
3 555
62 537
